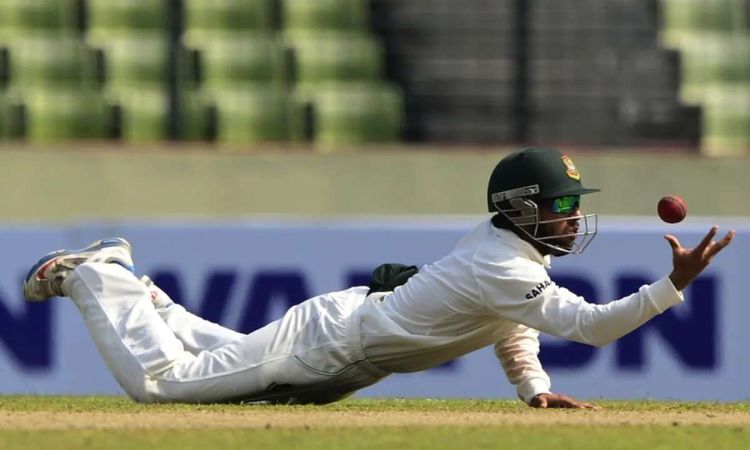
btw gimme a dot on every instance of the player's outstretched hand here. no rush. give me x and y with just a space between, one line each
551 400
689 262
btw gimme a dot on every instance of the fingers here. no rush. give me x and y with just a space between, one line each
559 401
569 402
706 240
673 242
717 246
587 405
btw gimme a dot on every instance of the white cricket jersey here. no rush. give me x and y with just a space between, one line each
493 288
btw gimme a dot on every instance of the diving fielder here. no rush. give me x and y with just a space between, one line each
492 289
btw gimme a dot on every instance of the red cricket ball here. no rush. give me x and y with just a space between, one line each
672 208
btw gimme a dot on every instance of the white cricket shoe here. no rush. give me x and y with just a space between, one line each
45 278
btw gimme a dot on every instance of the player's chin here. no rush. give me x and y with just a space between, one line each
565 245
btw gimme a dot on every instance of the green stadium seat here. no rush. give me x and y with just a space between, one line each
726 118
193 116
710 57
49 16
11 125
256 115
355 113
237 58
66 114
51 61
696 15
144 114
229 15
105 16
349 15
134 59
4 117
321 57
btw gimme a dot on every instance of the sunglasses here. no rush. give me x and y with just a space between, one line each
566 204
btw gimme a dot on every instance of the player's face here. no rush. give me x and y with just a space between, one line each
555 210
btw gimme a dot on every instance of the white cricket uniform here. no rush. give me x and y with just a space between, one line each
493 288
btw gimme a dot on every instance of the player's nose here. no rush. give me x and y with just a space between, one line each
574 214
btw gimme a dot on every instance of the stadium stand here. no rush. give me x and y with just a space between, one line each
243 71
714 41
582 72
599 76
456 64
134 38
339 72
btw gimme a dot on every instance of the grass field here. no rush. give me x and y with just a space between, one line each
116 423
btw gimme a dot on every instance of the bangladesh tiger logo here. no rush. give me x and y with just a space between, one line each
572 171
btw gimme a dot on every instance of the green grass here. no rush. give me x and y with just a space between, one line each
581 438
124 405
539 435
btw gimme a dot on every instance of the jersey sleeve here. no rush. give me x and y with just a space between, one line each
521 291
518 353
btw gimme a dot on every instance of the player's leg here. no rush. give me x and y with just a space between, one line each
151 363
195 333
137 345
313 354
128 333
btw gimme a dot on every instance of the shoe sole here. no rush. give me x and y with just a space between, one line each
98 245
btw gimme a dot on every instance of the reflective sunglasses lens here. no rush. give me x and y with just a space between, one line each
566 204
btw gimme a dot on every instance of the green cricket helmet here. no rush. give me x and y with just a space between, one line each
522 179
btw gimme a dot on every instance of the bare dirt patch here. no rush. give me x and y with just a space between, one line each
259 419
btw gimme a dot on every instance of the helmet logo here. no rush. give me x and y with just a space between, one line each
571 168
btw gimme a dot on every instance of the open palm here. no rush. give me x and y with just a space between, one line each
688 263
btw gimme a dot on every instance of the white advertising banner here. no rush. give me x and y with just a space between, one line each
244 274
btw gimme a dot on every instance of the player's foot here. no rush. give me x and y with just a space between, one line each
45 278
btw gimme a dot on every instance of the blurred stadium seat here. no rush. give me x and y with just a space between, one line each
229 15
726 110
38 16
133 59
43 60
330 56
232 58
713 38
261 114
341 15
705 15
144 113
66 114
116 16
354 113
196 118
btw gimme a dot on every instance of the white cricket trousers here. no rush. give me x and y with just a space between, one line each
166 354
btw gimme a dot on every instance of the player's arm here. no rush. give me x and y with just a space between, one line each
518 350
522 292
538 302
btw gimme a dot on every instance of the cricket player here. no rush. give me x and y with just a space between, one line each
492 289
